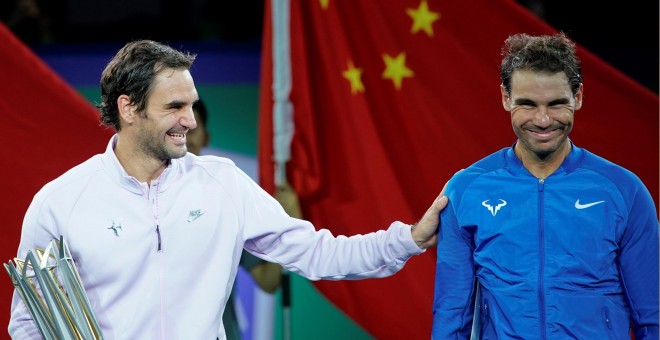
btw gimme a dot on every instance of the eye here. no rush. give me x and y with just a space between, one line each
561 106
560 103
525 104
175 105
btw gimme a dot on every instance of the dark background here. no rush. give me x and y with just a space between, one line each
625 34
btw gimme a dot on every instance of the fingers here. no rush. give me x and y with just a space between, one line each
425 232
440 203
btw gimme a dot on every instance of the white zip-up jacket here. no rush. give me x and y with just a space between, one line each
158 261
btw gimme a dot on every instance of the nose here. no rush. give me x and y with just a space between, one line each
542 118
188 118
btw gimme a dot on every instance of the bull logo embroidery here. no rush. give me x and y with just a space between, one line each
496 208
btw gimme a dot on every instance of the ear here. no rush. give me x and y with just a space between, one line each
127 111
506 100
578 98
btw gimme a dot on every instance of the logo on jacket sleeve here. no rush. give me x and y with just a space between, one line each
494 209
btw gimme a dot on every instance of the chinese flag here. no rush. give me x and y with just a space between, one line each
388 99
47 129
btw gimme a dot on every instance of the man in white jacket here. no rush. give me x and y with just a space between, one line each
157 232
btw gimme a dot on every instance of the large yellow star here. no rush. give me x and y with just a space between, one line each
353 75
395 69
422 18
324 3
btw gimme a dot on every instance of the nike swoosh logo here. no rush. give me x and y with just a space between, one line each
587 205
195 216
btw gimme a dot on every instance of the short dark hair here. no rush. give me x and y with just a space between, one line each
132 71
545 53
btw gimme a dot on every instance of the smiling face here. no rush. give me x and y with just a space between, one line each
167 118
542 108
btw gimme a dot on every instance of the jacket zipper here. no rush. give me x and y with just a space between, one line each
159 247
606 316
541 296
159 250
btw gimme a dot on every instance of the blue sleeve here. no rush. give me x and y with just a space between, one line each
453 303
638 261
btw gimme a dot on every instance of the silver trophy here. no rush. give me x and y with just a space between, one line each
50 287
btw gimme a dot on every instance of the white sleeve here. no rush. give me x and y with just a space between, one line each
296 244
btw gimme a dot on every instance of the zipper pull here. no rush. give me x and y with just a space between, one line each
158 234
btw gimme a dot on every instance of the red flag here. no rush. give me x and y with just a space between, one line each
390 99
47 128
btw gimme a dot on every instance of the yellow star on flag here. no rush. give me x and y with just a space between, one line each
353 75
395 69
422 18
324 3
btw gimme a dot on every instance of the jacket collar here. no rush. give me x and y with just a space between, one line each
119 175
569 164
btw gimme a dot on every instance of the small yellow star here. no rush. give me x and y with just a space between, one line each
353 75
422 18
395 69
324 3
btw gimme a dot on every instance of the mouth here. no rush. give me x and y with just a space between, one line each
177 137
545 134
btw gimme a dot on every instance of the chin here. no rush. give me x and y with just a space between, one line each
544 151
178 153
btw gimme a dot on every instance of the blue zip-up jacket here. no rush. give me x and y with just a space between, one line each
574 256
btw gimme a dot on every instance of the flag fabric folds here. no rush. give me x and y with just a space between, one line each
388 99
47 128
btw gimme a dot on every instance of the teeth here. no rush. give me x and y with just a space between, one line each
177 135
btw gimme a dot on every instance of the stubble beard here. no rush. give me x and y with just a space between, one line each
545 151
157 148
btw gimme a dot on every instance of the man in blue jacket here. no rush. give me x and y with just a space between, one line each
545 240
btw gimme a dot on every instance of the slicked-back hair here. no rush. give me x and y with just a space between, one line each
132 71
546 53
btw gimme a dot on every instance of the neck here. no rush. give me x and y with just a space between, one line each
542 167
137 164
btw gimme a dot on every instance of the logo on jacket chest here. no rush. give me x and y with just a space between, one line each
494 206
116 227
195 214
581 206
